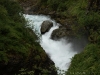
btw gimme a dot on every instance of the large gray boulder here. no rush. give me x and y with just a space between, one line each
45 27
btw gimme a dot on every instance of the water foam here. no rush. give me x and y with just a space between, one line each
60 51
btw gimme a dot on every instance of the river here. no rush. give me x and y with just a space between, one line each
60 52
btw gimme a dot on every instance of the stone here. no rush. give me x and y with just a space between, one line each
61 32
45 27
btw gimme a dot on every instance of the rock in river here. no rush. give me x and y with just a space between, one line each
60 33
45 27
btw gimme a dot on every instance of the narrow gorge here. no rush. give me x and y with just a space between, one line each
60 51
49 37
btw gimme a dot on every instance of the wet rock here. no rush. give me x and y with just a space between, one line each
62 32
46 25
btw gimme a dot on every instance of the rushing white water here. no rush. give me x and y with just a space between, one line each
60 51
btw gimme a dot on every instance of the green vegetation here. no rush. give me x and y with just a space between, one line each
86 62
85 19
17 43
19 53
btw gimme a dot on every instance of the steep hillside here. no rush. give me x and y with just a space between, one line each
19 52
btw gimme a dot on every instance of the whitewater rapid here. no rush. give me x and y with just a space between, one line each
60 51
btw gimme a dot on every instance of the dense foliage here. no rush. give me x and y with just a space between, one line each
19 51
16 41
85 15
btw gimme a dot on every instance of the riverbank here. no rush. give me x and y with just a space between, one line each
19 52
82 21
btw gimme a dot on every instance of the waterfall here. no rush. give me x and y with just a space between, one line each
60 51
